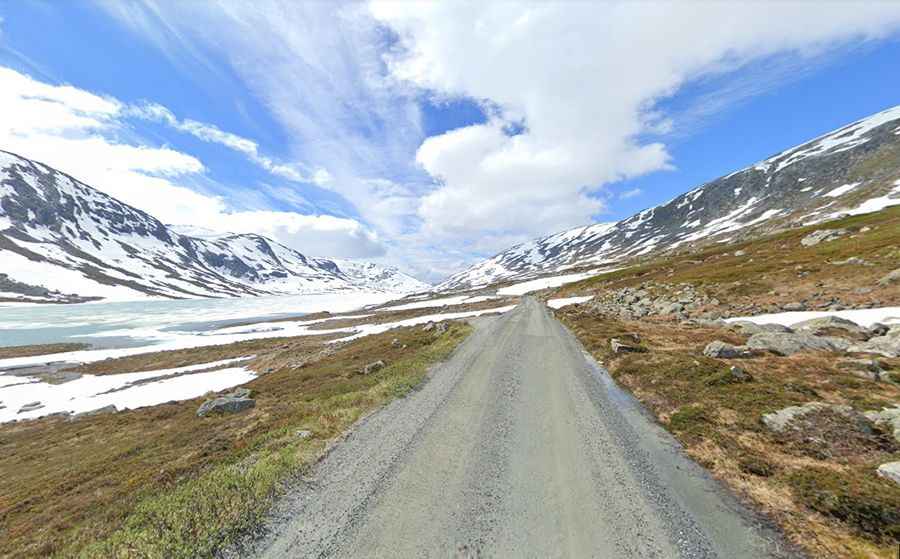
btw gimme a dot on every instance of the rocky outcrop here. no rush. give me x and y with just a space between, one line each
722 350
887 345
652 299
822 236
234 402
832 325
791 343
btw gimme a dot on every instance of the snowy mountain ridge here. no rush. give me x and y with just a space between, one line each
63 241
852 170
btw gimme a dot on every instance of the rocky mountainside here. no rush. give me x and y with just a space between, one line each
853 170
63 241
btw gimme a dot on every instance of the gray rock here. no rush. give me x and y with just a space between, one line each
722 350
429 326
879 329
887 418
750 328
225 404
890 279
100 411
374 367
887 345
817 326
740 253
792 307
304 434
789 344
395 343
782 420
822 236
618 346
890 471
30 407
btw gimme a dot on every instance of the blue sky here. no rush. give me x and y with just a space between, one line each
426 136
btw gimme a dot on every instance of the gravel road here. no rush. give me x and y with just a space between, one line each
518 446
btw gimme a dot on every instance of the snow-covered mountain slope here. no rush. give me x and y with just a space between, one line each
855 169
63 241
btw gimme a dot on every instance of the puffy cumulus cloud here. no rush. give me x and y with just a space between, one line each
580 83
84 135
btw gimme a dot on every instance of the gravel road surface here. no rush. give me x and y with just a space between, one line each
518 446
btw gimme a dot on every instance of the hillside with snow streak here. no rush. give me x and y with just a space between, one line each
63 241
852 170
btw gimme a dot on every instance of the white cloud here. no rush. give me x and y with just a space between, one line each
212 133
585 79
317 66
631 193
83 134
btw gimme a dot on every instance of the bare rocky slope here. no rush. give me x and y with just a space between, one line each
852 170
63 241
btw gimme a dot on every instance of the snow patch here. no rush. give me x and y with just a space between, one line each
841 190
565 301
863 317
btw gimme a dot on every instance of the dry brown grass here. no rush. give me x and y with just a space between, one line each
161 482
718 421
42 349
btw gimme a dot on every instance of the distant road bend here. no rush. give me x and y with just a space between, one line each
518 446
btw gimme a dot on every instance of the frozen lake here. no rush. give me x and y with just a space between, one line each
138 323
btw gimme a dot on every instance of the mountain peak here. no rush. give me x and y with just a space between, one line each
854 169
63 241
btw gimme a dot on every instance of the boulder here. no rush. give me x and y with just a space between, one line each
888 419
789 344
890 471
225 404
892 278
829 324
782 420
100 411
793 307
374 367
304 434
740 253
750 328
822 236
429 326
618 346
722 350
887 345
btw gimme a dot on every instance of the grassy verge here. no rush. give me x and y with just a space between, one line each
823 490
161 482
42 349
